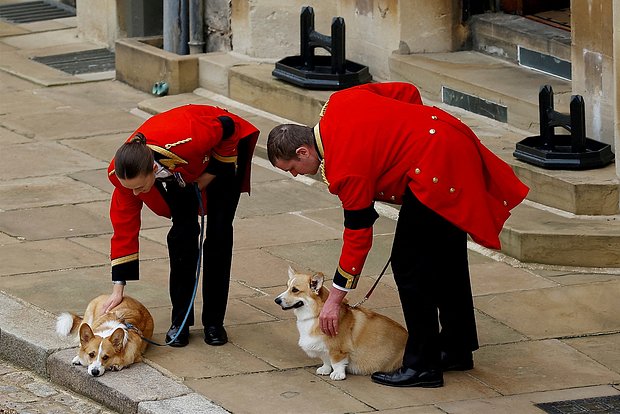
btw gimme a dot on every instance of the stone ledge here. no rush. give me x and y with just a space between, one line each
28 334
141 62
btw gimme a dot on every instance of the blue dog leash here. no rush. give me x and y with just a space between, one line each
189 308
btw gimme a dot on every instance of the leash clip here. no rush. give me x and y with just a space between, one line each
179 179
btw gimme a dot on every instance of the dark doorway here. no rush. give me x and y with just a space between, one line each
551 12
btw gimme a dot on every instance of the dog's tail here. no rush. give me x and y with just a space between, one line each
67 323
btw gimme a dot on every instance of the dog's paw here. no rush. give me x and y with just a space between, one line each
324 370
337 376
76 360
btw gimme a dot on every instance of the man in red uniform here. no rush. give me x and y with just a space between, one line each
379 142
159 166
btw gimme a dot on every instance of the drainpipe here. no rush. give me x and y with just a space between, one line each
176 24
196 27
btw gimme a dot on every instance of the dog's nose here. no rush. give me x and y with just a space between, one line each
278 300
94 372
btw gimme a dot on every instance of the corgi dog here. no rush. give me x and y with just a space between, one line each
109 341
366 342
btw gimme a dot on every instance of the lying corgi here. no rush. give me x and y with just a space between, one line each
366 342
110 341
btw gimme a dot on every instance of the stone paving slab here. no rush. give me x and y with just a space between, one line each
534 366
557 312
69 123
294 390
524 403
69 221
46 191
191 403
46 255
41 158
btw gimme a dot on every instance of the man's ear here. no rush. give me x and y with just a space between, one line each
302 152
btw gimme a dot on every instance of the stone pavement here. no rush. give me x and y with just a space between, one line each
546 333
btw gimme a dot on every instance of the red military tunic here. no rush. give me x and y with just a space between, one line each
185 139
377 139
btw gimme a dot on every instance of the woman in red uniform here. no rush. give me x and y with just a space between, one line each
379 142
159 166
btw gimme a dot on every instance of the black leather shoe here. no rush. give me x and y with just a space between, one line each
181 340
408 377
215 335
456 362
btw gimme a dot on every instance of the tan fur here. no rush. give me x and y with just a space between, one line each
366 342
110 341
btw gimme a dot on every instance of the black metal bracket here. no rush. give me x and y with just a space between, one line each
563 152
309 71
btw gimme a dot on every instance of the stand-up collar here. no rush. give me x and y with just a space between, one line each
318 142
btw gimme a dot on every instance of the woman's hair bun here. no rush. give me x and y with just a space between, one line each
139 138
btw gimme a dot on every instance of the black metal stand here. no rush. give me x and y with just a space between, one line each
321 72
563 152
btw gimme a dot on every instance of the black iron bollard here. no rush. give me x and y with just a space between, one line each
551 151
321 72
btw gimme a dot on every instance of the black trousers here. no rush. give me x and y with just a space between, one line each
222 199
429 261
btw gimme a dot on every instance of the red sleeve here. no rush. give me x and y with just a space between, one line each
125 209
355 193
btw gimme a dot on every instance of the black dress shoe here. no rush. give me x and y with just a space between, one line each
456 361
215 335
408 377
181 340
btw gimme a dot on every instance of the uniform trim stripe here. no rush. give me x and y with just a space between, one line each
351 280
221 158
125 259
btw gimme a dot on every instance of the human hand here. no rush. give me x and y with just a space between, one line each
115 298
204 180
330 314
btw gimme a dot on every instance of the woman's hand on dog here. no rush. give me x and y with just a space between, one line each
328 319
115 298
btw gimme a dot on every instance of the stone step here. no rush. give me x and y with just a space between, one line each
589 193
482 84
524 41
533 234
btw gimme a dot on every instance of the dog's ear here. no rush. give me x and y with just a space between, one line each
316 281
291 273
86 334
118 339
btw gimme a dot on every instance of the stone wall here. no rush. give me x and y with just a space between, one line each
592 64
374 28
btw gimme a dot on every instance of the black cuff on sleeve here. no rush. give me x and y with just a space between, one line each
345 280
126 271
228 126
360 219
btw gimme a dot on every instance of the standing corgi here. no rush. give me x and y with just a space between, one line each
366 342
110 341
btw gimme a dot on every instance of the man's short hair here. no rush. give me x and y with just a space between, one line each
284 140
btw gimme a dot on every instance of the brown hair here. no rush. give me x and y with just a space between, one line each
133 158
284 140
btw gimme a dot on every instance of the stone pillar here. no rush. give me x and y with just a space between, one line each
97 21
593 64
616 56
431 26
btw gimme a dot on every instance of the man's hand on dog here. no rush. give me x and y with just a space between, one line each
328 319
115 298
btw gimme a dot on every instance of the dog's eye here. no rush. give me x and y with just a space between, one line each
105 357
91 354
294 290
